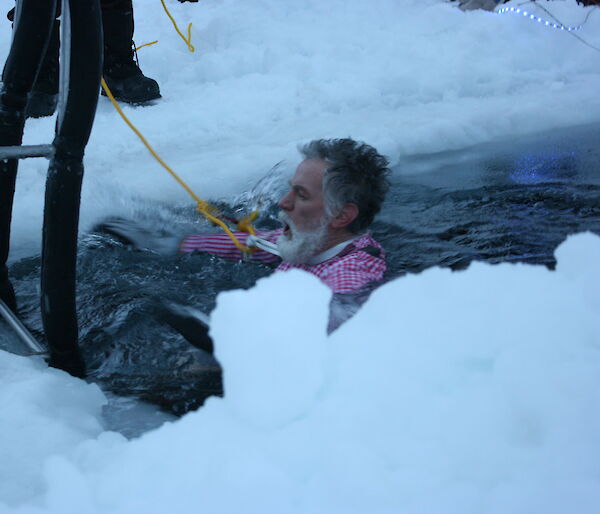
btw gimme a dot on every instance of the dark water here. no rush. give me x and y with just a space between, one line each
508 201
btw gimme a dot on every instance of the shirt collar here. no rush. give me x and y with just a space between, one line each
331 252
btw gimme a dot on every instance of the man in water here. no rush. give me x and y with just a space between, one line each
334 195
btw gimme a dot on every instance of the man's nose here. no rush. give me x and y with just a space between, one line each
287 202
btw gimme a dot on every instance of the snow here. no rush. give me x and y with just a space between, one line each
450 392
463 392
43 412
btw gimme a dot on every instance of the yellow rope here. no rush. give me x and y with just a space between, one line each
188 40
203 207
245 224
145 44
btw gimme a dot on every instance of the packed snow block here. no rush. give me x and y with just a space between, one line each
579 259
43 411
473 376
271 343
448 392
579 256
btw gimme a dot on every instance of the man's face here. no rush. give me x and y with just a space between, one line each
304 202
305 227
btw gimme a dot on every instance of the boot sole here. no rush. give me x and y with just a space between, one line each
140 100
40 105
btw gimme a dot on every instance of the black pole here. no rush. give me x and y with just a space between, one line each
31 32
81 68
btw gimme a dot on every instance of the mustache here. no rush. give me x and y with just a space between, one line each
285 220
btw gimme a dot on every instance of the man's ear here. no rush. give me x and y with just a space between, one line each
346 216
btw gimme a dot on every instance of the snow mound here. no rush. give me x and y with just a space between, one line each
449 392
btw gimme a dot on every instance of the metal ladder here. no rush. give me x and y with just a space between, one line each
80 73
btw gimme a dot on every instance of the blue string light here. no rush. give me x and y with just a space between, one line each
533 17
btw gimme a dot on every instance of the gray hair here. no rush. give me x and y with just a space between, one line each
358 174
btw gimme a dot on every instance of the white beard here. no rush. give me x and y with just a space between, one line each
301 246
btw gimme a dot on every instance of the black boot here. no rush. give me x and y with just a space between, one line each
44 95
121 72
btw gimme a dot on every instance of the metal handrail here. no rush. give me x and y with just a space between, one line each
26 151
21 331
79 82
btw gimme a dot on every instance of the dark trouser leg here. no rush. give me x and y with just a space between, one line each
27 47
121 72
116 5
44 95
8 173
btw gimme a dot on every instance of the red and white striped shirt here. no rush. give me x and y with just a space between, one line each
359 263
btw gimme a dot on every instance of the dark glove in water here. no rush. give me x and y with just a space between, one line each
134 234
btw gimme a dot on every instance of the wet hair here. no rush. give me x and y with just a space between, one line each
357 174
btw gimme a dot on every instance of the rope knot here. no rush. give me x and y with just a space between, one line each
245 224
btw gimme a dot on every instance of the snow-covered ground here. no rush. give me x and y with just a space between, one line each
407 76
465 392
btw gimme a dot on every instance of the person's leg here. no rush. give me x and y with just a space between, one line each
121 71
44 95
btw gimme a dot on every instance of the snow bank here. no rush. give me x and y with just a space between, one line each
406 76
465 392
449 392
42 412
